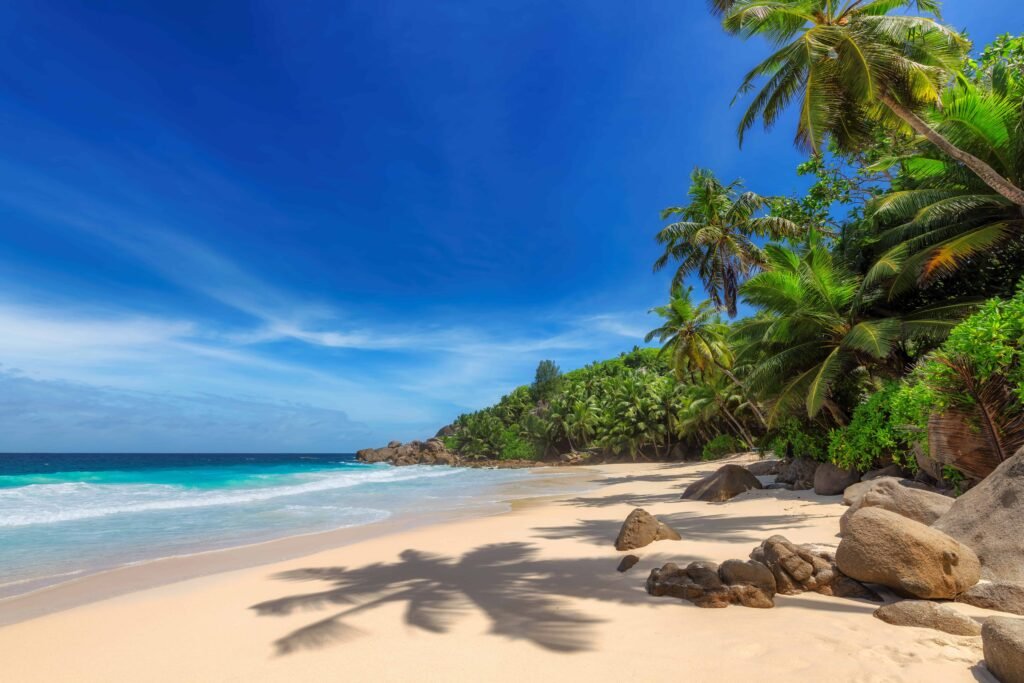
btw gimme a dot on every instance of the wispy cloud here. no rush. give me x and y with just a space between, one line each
70 416
402 379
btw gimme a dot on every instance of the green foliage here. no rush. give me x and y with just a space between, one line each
1000 60
883 251
992 340
515 447
837 60
955 478
910 406
820 333
874 436
720 446
942 217
713 236
632 405
795 438
546 380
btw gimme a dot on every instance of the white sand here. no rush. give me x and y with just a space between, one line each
531 595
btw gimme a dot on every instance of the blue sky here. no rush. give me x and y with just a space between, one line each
267 226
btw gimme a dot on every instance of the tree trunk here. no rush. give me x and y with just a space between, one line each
737 426
837 413
987 174
743 390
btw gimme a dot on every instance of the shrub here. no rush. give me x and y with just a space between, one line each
875 434
515 447
978 370
955 478
792 438
990 341
720 446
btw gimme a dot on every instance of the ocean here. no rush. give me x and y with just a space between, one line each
66 515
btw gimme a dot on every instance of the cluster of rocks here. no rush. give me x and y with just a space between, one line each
707 584
826 479
807 568
432 452
777 566
899 533
429 452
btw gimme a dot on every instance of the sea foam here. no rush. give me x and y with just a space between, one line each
71 501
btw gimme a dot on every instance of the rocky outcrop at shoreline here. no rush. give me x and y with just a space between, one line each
431 452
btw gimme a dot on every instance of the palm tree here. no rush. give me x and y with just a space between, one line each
846 61
582 420
696 338
946 215
713 237
633 414
818 327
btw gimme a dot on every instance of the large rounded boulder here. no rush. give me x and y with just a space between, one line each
728 482
990 519
642 528
830 480
912 559
798 473
1002 639
889 494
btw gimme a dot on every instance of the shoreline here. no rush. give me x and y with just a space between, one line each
85 586
529 593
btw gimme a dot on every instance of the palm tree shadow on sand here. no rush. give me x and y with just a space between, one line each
522 596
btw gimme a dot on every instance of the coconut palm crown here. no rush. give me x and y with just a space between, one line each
714 237
845 62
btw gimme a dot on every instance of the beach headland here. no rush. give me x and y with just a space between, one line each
530 594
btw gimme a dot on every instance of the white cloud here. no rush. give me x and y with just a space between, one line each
417 373
68 416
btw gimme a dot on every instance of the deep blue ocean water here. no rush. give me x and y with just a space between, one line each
64 515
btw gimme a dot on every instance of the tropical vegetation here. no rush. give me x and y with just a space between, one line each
881 311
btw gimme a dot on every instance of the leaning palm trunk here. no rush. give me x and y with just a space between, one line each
743 391
743 434
988 175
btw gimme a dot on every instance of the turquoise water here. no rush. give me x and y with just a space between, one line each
63 516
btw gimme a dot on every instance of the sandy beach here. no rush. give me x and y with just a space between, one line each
531 594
